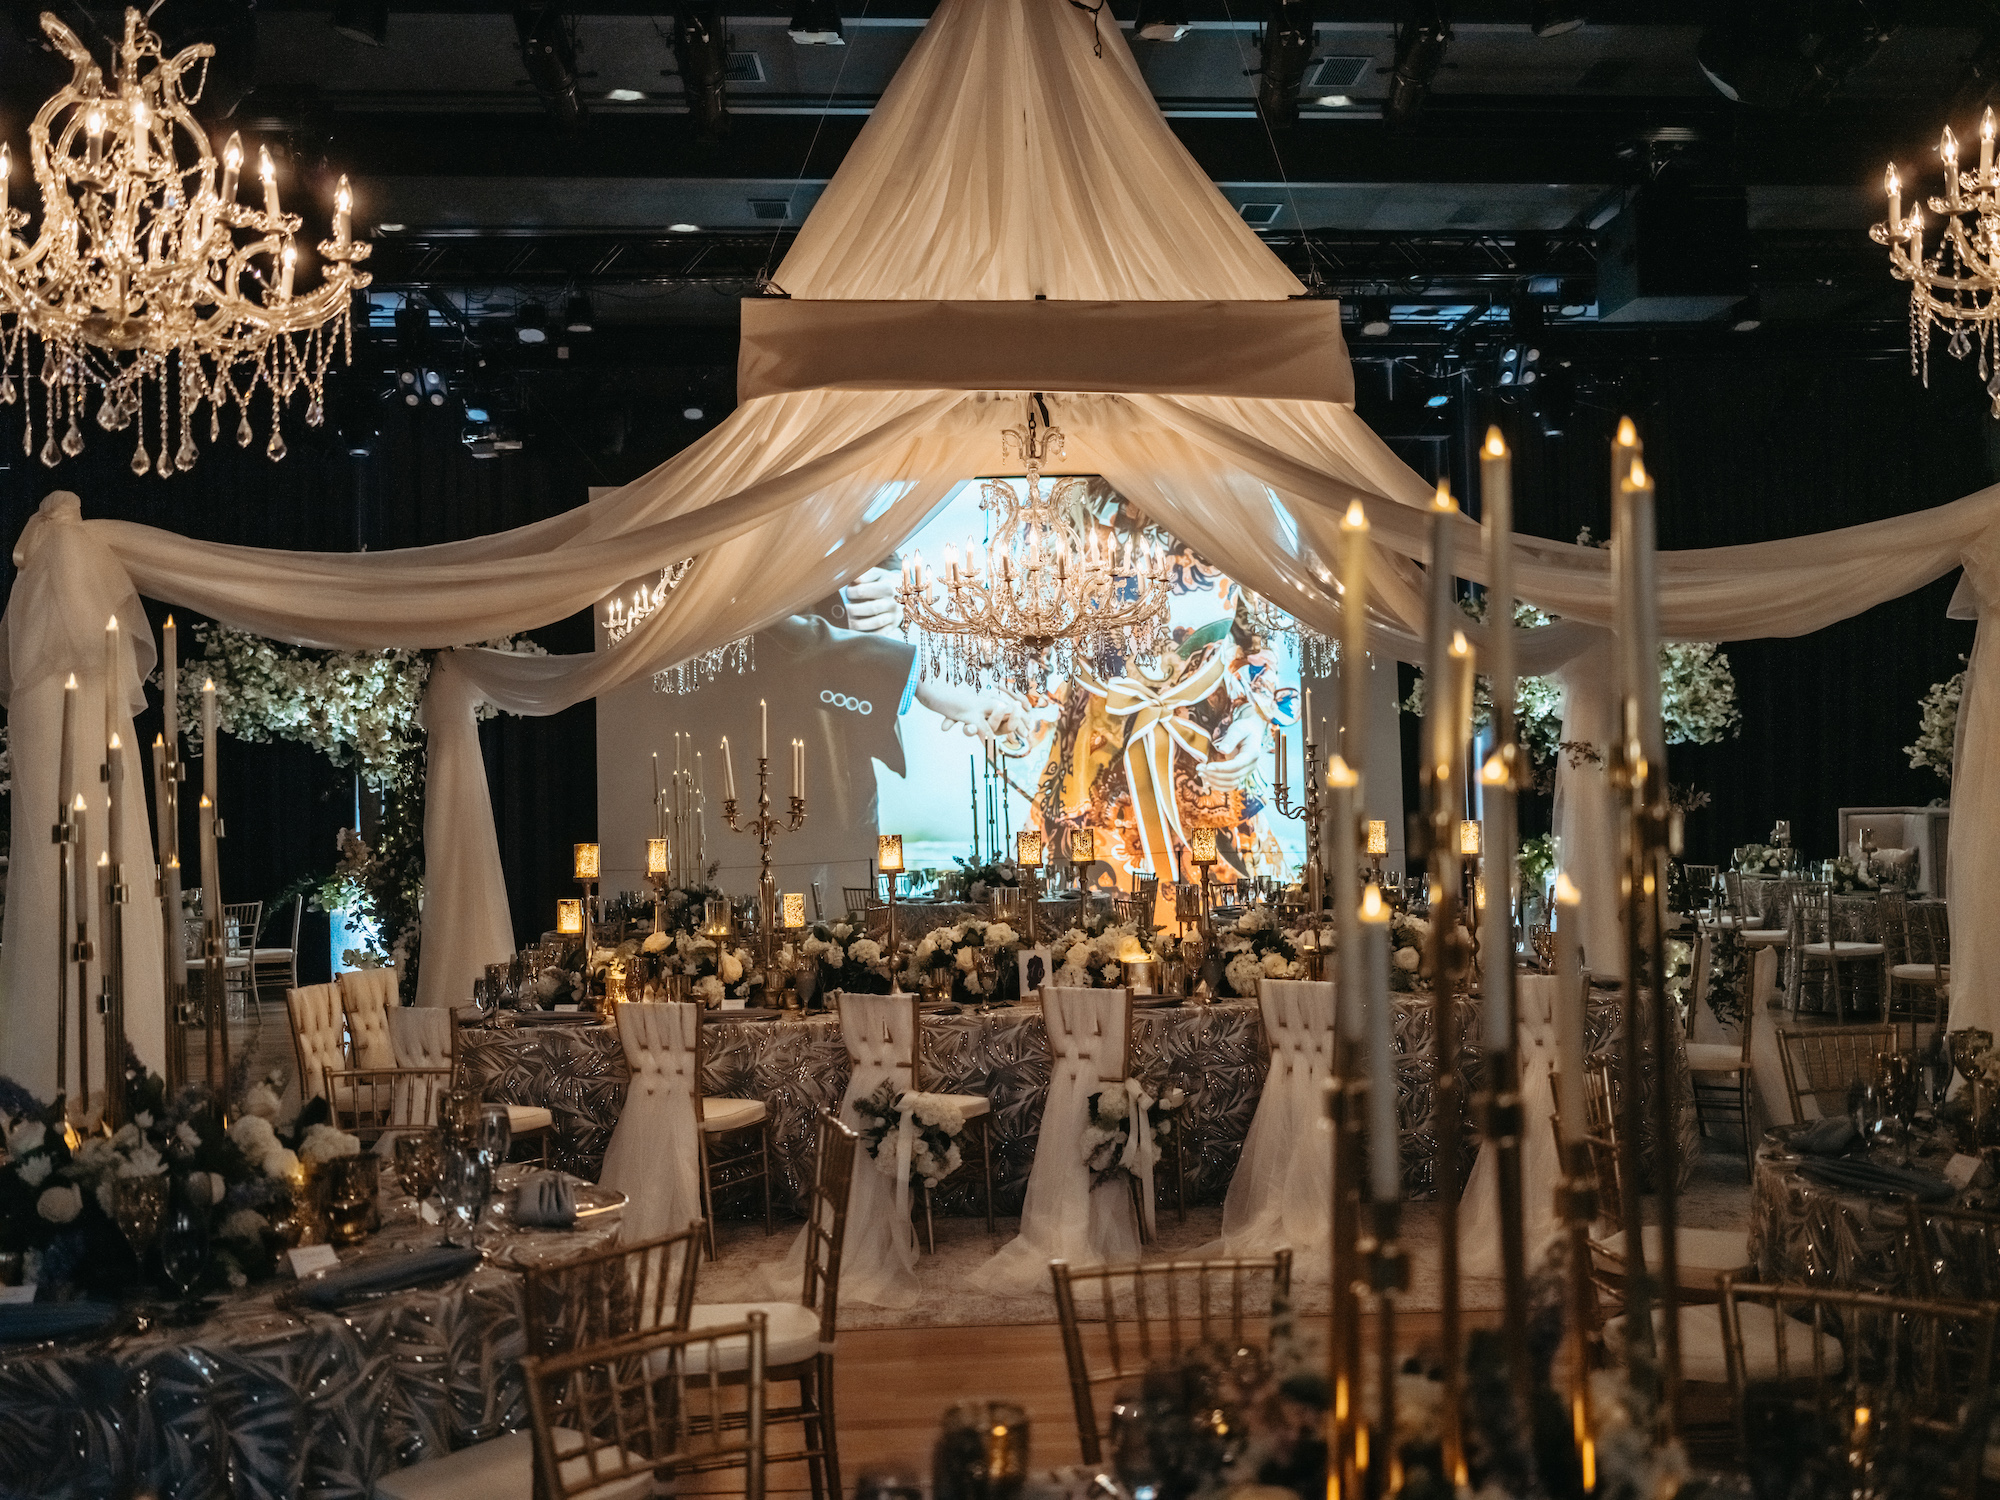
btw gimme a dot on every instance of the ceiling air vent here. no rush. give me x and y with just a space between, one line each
1337 72
1259 214
775 209
745 67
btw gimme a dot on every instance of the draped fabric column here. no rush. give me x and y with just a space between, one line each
1586 810
466 924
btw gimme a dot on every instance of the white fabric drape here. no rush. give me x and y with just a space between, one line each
1479 1238
654 1155
880 1262
1063 1217
1281 1194
1006 162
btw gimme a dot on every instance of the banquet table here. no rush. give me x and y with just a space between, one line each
271 1398
798 1066
1861 911
1804 1231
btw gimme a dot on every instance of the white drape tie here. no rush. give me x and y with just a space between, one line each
1141 1150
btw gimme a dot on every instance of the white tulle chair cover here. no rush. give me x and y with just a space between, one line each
1282 1193
654 1156
1535 998
1064 1217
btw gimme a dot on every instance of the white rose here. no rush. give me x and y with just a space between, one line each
1000 935
731 967
261 1101
865 951
325 1143
253 1135
185 1134
1407 960
35 1170
967 960
59 1204
710 989
836 955
656 942
25 1138
843 930
1276 965
279 1163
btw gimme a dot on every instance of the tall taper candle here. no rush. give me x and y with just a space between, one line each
728 771
659 808
170 681
1496 499
1441 737
114 755
1348 995
1350 745
208 743
1385 1153
66 770
764 716
1569 1008
1638 607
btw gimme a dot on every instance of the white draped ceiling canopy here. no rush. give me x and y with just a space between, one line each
1015 216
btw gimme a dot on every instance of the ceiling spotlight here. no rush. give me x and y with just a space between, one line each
701 52
817 24
531 323
1520 364
1286 46
1161 21
1554 17
1748 317
692 413
364 21
1334 101
1420 44
1775 56
548 49
432 384
578 316
684 228
1374 320
622 96
390 228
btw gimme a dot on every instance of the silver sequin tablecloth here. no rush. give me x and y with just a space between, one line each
265 1400
799 1067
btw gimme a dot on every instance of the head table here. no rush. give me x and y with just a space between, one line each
270 1398
798 1066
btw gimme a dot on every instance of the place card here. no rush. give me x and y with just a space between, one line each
11 1295
308 1260
1958 1171
430 1213
571 1008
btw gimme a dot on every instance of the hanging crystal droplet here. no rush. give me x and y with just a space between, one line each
243 432
315 413
51 456
276 447
72 442
165 467
51 369
140 461
110 415
188 452
6 390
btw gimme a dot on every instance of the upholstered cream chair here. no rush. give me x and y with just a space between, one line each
424 1037
318 1036
367 996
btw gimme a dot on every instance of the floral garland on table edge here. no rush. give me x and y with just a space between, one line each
57 1198
978 955
1109 1129
1937 728
934 1150
361 710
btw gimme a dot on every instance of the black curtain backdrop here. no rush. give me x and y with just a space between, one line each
1750 443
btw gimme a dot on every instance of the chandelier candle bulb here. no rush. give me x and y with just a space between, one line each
287 265
269 173
1569 1008
343 209
232 165
93 129
1986 148
6 170
141 127
1385 1173
1895 189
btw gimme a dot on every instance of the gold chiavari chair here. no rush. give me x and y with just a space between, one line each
613 1421
1860 1386
1918 979
1147 1313
1826 936
366 1102
612 1293
1827 1060
1722 1074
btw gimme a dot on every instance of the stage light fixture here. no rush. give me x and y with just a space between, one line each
531 323
1748 317
548 49
1286 47
578 315
622 96
354 416
365 21
1420 46
701 52
1554 17
1161 21
1779 56
817 24
1374 320
434 386
693 413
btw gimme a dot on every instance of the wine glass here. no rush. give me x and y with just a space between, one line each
184 1245
493 1135
137 1206
419 1161
467 1185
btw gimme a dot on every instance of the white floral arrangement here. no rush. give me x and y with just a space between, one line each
1254 949
973 952
1937 730
325 1143
848 959
934 1147
718 972
1107 1133
1087 959
1760 859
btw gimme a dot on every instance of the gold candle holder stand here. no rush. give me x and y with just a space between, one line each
765 829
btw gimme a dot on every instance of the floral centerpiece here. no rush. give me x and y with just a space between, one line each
847 959
1760 859
717 970
977 956
1107 1139
1254 949
1092 955
1409 939
977 882
58 1191
936 1125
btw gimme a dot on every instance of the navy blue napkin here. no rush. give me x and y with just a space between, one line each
1872 1177
31 1322
1832 1136
545 1200
387 1273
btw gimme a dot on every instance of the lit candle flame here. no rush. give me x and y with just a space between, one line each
1496 445
1341 774
1566 892
1356 518
1636 476
1494 772
1373 909
232 154
1890 181
343 196
1628 435
1459 645
72 681
1442 500
264 168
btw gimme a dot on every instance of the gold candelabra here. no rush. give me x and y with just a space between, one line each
766 829
1308 811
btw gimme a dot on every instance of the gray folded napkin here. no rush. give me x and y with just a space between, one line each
1829 1137
545 1200
31 1322
1872 1177
387 1273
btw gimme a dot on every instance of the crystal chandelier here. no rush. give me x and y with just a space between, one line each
1957 289
1051 590
148 283
621 619
1317 653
